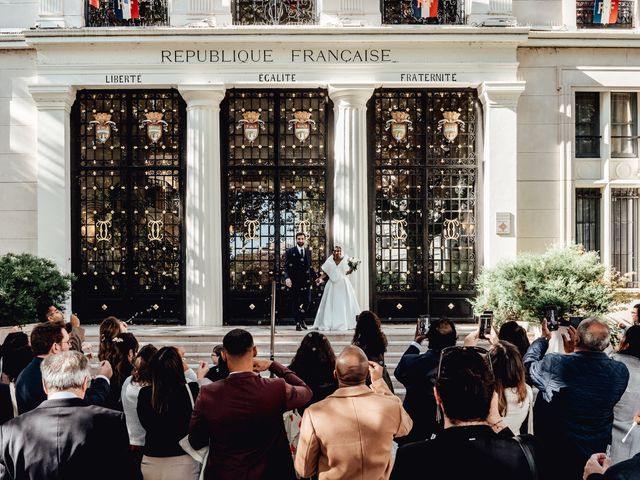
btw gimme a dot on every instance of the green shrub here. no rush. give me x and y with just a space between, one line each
565 276
27 281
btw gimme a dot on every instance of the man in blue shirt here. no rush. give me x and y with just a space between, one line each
573 414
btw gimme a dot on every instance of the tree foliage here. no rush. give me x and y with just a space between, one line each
27 281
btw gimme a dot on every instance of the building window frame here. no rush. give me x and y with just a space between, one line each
631 125
587 213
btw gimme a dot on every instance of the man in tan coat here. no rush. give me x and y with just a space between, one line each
349 434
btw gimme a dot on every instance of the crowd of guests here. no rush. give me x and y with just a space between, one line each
508 411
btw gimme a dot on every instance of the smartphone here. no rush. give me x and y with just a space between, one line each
575 321
423 324
485 324
552 317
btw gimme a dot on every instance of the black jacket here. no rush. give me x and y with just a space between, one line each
66 439
298 268
417 372
465 453
30 394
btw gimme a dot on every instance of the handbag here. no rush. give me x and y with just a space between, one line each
292 421
528 454
202 454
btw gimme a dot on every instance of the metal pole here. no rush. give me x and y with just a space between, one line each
272 345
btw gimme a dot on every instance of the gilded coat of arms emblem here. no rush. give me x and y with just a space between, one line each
103 126
251 125
399 125
301 124
155 125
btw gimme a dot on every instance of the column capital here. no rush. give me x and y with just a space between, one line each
354 94
209 95
53 96
501 94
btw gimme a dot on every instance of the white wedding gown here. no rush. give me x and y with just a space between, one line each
339 307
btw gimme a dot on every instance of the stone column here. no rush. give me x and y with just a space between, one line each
51 14
200 13
350 180
203 205
54 172
349 12
500 186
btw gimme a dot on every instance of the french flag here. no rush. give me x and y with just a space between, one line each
605 11
425 8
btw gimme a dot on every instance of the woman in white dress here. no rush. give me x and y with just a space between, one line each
339 307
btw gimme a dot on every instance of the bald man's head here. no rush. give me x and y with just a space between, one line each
352 367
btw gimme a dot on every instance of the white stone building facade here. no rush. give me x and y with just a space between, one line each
547 151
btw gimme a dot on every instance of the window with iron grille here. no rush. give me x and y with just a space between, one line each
127 204
442 12
585 11
130 13
424 174
588 218
276 169
624 124
587 125
624 205
274 12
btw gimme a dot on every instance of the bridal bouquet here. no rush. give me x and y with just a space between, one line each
353 263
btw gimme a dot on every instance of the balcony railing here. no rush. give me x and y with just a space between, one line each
274 12
584 15
129 13
396 12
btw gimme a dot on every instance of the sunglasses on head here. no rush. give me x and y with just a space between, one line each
483 352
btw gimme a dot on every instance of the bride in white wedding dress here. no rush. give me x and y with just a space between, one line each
339 307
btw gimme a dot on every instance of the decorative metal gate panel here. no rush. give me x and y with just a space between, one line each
275 152
424 171
127 204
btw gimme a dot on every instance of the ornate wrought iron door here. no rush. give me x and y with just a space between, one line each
276 167
127 204
424 201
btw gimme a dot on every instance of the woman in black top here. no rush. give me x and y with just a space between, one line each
370 338
164 409
314 363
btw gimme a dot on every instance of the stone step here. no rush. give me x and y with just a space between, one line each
199 341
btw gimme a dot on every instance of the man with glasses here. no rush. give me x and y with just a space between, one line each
468 447
49 339
573 413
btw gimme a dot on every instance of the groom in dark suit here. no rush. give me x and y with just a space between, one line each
298 276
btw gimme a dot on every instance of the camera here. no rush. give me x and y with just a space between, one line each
552 316
485 324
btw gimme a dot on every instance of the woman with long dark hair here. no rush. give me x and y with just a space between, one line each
372 340
164 409
140 377
120 356
110 328
623 413
514 395
314 363
516 335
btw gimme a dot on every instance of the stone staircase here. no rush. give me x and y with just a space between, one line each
199 341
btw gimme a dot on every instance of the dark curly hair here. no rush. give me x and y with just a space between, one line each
369 336
315 360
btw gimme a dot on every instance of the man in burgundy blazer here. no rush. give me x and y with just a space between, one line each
240 417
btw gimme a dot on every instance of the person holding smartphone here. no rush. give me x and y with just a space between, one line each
417 372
